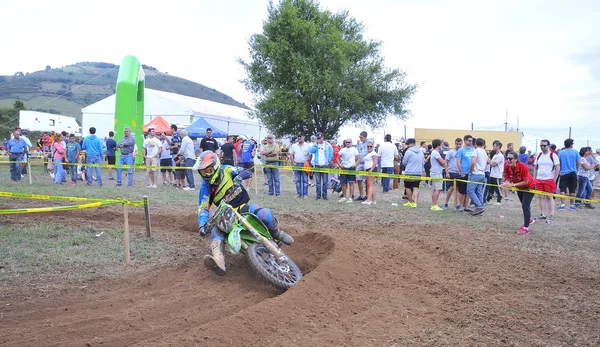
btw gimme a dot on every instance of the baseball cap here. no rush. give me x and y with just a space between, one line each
319 135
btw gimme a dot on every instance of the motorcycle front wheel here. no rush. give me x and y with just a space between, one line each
283 276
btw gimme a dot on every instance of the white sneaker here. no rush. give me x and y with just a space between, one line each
188 188
342 200
153 186
497 203
349 200
366 202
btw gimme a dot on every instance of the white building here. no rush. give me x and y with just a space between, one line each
175 109
41 121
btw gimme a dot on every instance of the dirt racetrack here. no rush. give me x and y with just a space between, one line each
397 285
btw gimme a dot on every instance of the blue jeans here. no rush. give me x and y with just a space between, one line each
125 159
301 178
475 191
15 166
93 159
322 180
273 179
59 171
73 168
189 174
585 188
385 181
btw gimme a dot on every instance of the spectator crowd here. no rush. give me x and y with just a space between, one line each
483 173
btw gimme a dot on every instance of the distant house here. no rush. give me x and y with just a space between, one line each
41 121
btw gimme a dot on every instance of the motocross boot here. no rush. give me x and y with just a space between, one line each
216 261
280 234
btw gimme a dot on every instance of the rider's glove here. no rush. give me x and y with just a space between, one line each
202 230
237 180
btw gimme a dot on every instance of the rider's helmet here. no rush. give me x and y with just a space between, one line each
210 168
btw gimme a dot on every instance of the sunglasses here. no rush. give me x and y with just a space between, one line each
207 172
369 146
511 158
542 146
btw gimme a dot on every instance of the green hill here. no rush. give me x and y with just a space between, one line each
66 90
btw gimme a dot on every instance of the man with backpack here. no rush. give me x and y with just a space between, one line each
546 169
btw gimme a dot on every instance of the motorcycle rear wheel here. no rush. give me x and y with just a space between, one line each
282 276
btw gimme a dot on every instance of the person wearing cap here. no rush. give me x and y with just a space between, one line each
322 154
361 146
270 153
569 163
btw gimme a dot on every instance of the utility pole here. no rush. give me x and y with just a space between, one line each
404 132
517 122
506 122
569 132
471 126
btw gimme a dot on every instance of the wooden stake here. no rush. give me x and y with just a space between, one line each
126 220
255 180
147 213
29 171
455 194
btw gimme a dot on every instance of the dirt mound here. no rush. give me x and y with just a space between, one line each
136 310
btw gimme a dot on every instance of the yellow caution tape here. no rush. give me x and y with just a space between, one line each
70 198
57 208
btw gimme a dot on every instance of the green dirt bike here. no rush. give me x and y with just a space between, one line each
246 233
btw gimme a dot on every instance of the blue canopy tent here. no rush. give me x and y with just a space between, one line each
198 129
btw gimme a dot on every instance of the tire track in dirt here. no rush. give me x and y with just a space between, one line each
130 311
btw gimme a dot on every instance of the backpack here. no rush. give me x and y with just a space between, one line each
335 185
551 158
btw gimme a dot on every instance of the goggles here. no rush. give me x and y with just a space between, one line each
208 172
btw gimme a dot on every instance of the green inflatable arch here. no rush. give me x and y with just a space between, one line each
129 106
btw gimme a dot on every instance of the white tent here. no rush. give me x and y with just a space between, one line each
175 109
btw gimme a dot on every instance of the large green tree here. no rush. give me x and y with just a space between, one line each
312 70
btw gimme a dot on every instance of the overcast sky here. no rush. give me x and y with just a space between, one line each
473 60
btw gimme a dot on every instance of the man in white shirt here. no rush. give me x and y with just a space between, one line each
387 152
438 165
348 159
477 176
299 154
496 173
189 155
546 169
152 149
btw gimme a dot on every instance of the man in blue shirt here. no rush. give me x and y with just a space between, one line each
569 162
111 156
248 150
93 154
463 162
16 148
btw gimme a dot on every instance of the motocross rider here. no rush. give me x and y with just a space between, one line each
224 182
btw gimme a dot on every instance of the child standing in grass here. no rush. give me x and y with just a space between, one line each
179 173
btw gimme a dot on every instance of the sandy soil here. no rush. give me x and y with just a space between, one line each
392 285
